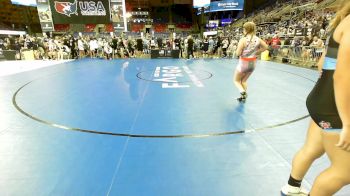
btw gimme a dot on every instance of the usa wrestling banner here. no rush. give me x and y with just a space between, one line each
80 11
45 15
118 13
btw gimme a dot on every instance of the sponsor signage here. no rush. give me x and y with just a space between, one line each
118 13
213 24
45 15
80 11
304 31
226 21
171 77
227 5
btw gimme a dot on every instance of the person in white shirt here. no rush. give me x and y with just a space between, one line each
107 50
81 48
317 48
225 44
100 47
92 48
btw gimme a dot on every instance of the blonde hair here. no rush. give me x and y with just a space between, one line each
343 12
249 27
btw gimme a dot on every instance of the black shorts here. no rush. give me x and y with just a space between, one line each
321 103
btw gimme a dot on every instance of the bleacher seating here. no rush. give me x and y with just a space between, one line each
137 27
160 28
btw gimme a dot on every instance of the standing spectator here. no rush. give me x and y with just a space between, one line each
287 41
139 47
275 44
131 49
52 49
317 49
17 48
178 45
92 48
190 43
81 47
225 44
218 47
107 50
35 47
211 45
71 43
305 50
100 47
205 47
121 48
197 47
60 48
160 43
114 45
232 49
2 44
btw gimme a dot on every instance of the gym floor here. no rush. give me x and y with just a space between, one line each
152 127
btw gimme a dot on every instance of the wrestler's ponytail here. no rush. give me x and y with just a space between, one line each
343 12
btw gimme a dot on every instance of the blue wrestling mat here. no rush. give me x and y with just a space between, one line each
151 127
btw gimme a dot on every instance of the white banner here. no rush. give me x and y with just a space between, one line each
118 12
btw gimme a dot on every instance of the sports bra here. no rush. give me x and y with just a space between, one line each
330 61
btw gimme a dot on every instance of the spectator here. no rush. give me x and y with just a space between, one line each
190 43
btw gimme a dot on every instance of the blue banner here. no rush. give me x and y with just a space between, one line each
226 5
226 21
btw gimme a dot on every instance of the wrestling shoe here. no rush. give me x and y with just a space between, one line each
243 97
288 190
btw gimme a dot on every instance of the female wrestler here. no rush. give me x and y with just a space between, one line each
330 112
248 48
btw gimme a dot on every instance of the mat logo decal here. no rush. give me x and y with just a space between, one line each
87 8
325 125
66 8
170 76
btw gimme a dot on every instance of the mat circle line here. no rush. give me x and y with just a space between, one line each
204 135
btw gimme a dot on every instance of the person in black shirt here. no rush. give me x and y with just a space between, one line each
287 41
2 44
115 46
190 47
35 47
177 42
285 50
17 47
12 41
205 47
160 43
121 47
218 46
72 45
29 44
139 47
131 47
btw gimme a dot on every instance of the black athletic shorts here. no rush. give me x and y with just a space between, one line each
321 103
